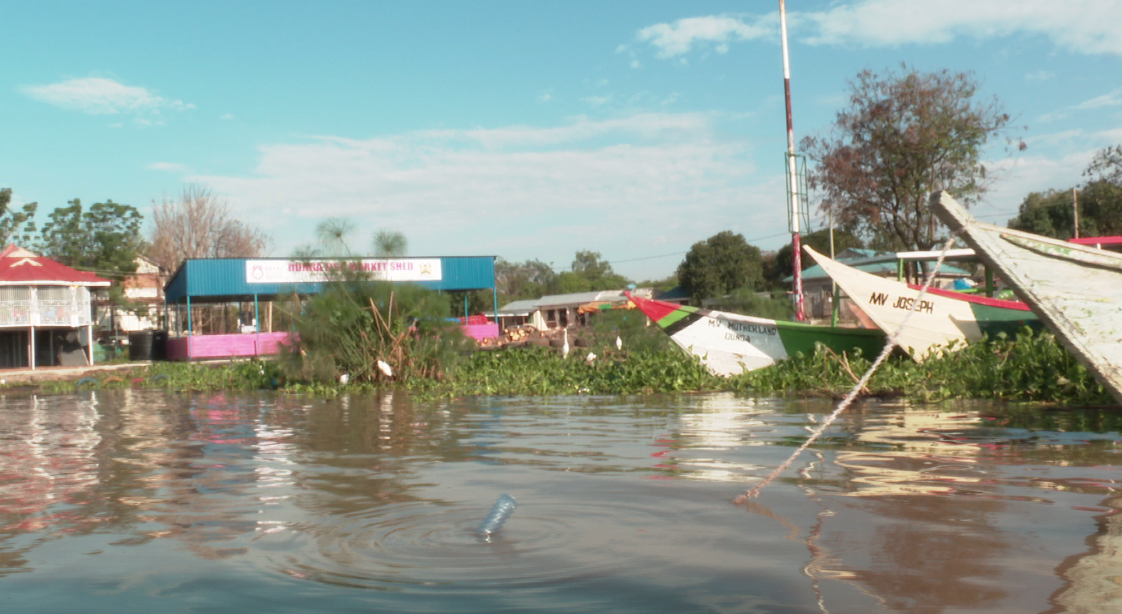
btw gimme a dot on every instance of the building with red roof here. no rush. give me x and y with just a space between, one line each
45 316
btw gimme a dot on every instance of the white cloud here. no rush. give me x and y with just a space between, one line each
1039 76
226 116
545 96
1111 99
1027 174
597 101
663 127
1056 138
517 191
1078 26
168 166
680 37
1110 137
98 96
1052 116
1081 26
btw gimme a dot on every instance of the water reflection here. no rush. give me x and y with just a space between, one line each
624 503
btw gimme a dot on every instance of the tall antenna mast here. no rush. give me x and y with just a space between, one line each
792 172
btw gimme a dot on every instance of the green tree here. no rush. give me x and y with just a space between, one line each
1106 166
819 240
667 283
720 264
478 302
1052 213
590 272
1046 213
15 225
523 280
903 136
105 239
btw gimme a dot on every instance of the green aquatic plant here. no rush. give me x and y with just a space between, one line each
540 371
1026 367
1029 366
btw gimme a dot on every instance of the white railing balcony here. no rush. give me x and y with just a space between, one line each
67 306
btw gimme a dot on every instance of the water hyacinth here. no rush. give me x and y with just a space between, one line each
1029 367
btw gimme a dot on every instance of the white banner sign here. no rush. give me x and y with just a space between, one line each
312 271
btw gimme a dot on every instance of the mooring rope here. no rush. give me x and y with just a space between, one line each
892 342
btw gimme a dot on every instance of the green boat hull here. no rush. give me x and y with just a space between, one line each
800 338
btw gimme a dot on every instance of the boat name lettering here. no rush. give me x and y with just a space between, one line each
745 328
730 336
909 304
878 298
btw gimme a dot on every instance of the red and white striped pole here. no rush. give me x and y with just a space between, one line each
792 172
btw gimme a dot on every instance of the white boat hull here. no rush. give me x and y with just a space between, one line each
935 321
1076 290
730 344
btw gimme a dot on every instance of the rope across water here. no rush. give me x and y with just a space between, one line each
893 341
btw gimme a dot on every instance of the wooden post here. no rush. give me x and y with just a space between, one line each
1075 206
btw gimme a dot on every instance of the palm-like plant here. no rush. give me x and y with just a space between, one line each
389 244
333 233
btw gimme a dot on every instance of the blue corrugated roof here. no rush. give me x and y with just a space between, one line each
220 278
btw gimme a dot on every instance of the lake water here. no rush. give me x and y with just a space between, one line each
142 501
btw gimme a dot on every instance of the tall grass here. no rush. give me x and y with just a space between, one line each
354 324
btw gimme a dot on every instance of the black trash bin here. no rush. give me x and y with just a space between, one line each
159 345
140 345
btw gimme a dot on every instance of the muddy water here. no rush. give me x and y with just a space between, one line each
150 502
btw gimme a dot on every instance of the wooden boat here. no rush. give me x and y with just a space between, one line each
730 344
938 319
1075 290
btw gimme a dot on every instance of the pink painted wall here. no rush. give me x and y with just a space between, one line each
481 331
264 344
224 346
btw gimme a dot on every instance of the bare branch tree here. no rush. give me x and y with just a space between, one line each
200 225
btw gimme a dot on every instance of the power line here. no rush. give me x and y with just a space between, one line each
687 251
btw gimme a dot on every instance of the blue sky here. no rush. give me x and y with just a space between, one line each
519 129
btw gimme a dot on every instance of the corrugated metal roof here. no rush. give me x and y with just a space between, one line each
580 298
21 267
876 268
225 279
519 308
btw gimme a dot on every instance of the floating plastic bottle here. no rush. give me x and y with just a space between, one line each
500 512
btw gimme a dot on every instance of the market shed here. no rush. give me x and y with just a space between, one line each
217 303
45 316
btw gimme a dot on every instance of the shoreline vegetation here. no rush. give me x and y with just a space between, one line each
1027 368
362 336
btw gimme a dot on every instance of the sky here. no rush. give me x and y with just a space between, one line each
526 130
